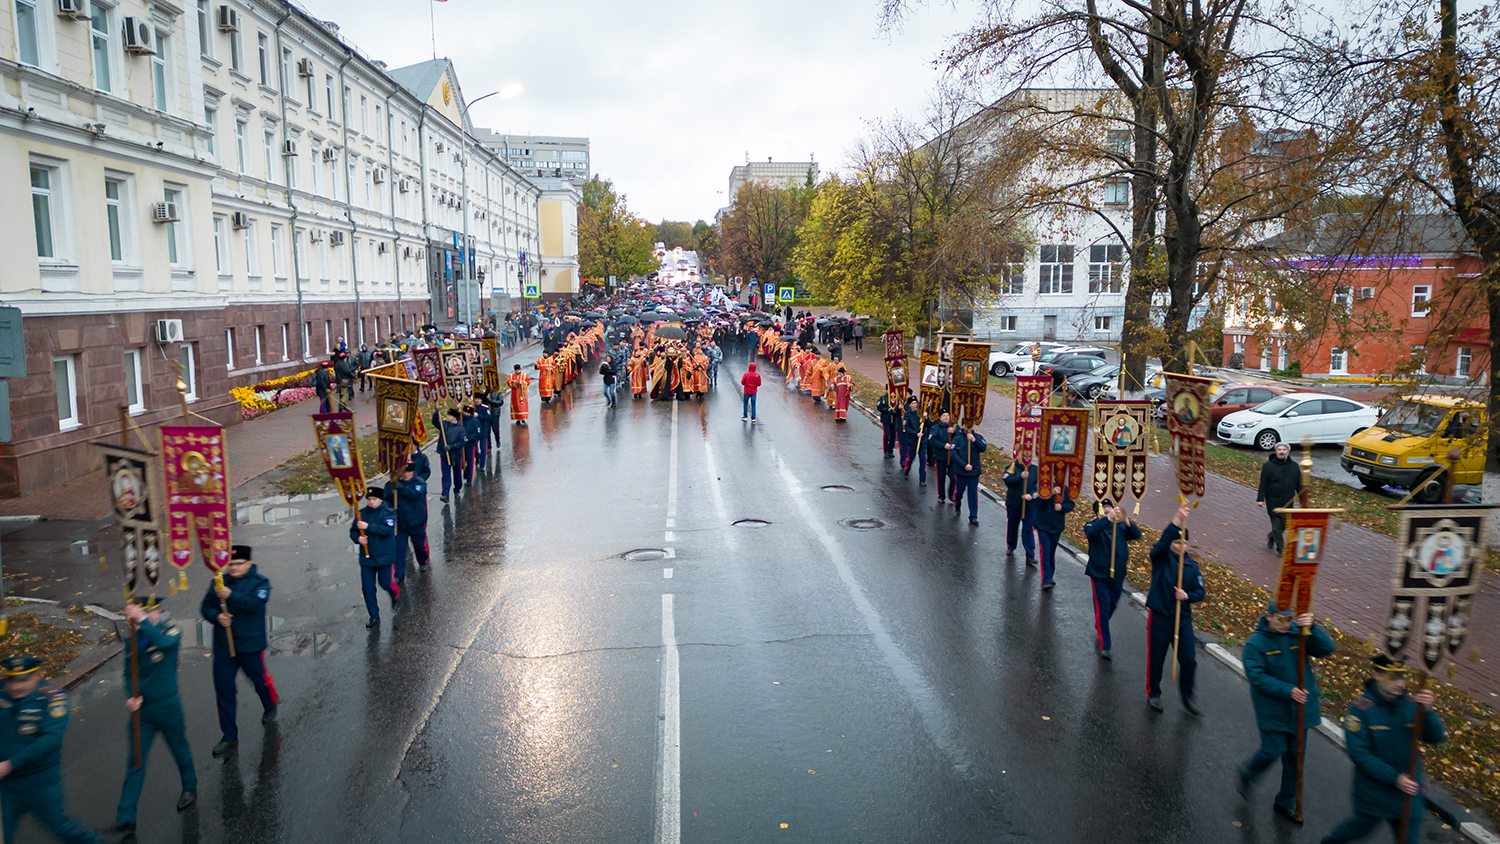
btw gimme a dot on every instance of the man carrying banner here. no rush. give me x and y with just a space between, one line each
890 421
1167 602
238 609
450 450
1020 509
910 435
1271 660
410 495
1051 520
482 411
375 536
1109 535
473 433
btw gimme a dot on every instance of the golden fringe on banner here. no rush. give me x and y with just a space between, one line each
932 384
398 418
970 382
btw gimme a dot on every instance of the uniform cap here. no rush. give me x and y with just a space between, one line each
1384 664
20 665
1271 608
239 552
375 492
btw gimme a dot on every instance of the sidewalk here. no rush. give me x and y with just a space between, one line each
1353 589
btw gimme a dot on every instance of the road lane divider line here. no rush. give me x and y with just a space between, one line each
936 719
666 574
672 469
668 536
671 553
714 484
669 762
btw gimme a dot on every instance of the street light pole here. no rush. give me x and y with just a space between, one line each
467 307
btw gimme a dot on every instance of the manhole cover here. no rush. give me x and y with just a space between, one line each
838 488
643 554
752 523
863 524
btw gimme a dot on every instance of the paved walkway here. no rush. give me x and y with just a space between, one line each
1353 583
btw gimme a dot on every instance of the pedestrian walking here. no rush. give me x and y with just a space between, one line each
939 445
366 361
607 374
1109 533
519 384
753 342
494 400
749 384
159 708
1051 520
890 422
1271 660
374 534
859 336
344 373
1378 738
967 458
450 446
33 719
1280 481
1020 507
238 610
473 432
323 386
409 493
910 436
1176 584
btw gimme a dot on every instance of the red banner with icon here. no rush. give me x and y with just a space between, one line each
340 450
1063 443
1187 424
196 469
1032 394
1306 531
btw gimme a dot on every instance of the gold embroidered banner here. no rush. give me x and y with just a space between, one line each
399 421
340 449
896 377
1064 437
136 496
197 476
1187 424
491 359
1032 394
429 364
932 384
1438 561
456 374
1120 448
1306 531
970 382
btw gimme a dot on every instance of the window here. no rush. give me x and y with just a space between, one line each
1282 355
242 145
1309 408
211 120
189 370
1421 295
312 93
99 25
236 60
286 339
252 250
270 138
44 209
175 251
278 251
1339 406
1007 323
28 32
1465 358
1338 361
327 336
1104 267
260 342
265 58
114 214
306 340
64 372
229 346
293 170
299 252
221 245
1239 345
133 393
328 89
286 70
1265 356
313 157
1117 192
162 86
205 28
1101 323
1057 269
364 115
1343 297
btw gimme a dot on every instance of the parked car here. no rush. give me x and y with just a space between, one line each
1093 385
1069 366
1413 439
1026 366
1241 397
1294 417
1003 362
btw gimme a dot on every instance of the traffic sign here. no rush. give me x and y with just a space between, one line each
770 291
533 290
786 295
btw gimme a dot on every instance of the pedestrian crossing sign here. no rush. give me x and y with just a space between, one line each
786 295
533 290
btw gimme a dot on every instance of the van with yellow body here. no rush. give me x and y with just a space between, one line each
1411 443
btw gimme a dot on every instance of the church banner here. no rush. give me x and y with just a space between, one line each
896 378
1187 424
1306 531
1120 449
970 382
398 422
1064 437
933 384
1032 394
429 364
197 476
1439 557
457 374
337 443
491 360
136 497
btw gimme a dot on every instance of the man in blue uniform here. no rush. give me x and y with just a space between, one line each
482 413
1270 657
32 723
472 434
939 441
1377 736
450 450
889 422
157 641
911 434
421 466
374 534
1051 521
1170 551
1020 511
495 401
968 452
410 495
239 610
1107 565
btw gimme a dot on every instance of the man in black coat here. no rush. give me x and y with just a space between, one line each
940 444
1280 481
366 361
238 608
890 422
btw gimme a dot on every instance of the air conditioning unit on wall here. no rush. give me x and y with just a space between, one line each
315 235
75 9
304 67
164 212
229 19
138 37
239 220
169 331
1365 293
336 238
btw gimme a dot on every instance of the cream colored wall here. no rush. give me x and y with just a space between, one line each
551 220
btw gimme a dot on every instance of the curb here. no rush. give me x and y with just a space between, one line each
77 675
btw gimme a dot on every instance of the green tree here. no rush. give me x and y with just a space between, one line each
758 237
611 240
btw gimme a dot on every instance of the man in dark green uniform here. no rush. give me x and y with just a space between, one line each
1377 734
157 641
32 722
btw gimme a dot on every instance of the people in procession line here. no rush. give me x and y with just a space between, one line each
940 445
1051 519
889 424
1280 481
237 611
519 384
482 446
967 465
1167 603
374 535
1020 481
158 707
33 720
910 435
1270 657
1109 535
409 493
473 432
450 445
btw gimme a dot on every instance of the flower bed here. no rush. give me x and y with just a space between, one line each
265 397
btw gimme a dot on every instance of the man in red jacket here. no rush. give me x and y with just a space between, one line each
750 382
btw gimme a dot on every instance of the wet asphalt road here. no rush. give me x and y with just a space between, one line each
894 685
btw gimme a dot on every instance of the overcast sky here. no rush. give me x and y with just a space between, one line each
671 94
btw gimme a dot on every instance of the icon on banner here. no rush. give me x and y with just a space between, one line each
786 295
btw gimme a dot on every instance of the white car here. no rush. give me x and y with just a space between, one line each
1002 363
1297 416
1027 366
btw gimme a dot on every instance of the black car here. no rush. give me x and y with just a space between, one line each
1070 366
1093 384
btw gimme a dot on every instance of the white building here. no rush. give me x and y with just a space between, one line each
768 172
542 156
232 186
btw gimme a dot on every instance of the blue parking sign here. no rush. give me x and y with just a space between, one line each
770 292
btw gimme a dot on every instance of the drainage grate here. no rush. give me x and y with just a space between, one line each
863 524
752 523
838 488
643 554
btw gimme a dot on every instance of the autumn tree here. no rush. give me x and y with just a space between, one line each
611 240
758 236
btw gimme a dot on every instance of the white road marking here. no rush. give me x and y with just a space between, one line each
715 484
671 523
669 764
671 553
670 536
672 469
666 573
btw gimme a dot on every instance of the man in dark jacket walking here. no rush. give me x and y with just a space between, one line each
410 495
159 709
344 373
1162 601
1280 481
607 374
890 421
1270 657
1020 508
910 434
1051 520
238 609
450 450
473 431
940 447
1109 535
366 361
323 386
968 450
375 536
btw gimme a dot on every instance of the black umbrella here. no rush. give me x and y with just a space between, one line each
652 316
626 320
671 332
669 317
693 312
596 314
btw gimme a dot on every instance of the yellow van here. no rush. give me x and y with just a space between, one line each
1413 438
